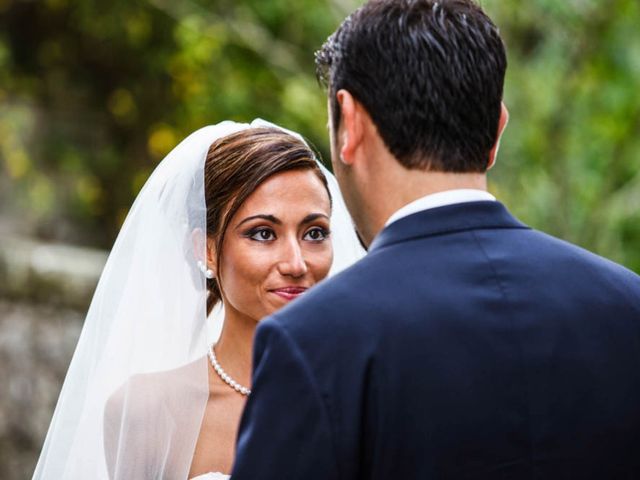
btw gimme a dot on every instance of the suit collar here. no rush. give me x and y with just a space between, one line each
448 219
440 199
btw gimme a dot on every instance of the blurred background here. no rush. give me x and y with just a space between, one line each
94 93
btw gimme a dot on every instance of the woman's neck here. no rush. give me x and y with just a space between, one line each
235 346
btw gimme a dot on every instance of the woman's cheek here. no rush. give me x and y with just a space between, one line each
322 261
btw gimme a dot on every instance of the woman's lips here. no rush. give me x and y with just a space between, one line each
289 293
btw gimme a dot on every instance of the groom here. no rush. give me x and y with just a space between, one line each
465 345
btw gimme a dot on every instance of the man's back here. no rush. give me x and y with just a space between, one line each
464 346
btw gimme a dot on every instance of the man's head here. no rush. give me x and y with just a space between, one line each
426 76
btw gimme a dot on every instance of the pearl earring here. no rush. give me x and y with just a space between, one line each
206 271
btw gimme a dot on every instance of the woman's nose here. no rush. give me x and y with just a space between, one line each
293 263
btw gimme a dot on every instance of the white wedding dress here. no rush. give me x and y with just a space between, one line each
212 476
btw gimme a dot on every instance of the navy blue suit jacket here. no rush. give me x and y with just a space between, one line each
464 346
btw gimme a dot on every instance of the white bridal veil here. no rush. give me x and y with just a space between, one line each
135 393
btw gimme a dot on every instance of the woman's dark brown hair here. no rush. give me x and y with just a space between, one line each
235 166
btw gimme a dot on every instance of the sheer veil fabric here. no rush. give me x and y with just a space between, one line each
134 396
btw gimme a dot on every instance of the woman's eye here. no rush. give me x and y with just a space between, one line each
263 235
316 234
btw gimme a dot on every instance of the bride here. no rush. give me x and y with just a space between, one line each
237 221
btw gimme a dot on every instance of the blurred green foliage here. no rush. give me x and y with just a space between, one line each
570 159
94 93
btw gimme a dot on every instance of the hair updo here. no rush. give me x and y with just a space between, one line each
238 164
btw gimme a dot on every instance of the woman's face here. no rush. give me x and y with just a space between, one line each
277 244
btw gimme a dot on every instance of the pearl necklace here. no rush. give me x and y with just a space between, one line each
223 375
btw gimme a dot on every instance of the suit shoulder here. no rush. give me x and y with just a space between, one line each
594 261
337 302
535 256
341 289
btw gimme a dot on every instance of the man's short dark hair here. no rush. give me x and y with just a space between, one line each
429 73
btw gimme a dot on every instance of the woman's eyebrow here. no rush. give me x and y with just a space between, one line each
313 216
270 218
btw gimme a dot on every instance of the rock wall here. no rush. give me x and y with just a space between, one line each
44 294
36 345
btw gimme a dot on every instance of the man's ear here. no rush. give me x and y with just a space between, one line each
502 124
351 127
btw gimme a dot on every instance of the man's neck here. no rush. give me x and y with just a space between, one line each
406 186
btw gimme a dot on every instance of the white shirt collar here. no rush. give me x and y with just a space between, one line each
440 199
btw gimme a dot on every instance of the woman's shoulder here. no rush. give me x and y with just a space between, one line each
146 394
152 418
